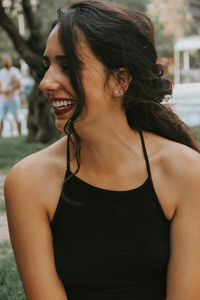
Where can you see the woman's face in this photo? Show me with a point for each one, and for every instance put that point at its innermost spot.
(57, 87)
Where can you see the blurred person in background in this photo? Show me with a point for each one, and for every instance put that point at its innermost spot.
(111, 211)
(10, 78)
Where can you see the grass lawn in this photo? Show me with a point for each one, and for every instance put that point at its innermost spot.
(10, 284)
(11, 151)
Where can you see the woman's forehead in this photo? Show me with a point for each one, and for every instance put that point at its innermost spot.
(53, 46)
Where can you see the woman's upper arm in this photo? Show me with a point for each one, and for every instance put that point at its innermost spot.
(183, 280)
(31, 235)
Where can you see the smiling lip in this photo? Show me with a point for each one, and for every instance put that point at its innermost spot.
(61, 109)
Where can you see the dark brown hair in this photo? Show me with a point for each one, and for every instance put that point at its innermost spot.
(121, 37)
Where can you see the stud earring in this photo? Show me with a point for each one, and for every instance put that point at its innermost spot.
(119, 92)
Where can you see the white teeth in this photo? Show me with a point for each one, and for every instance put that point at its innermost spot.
(61, 103)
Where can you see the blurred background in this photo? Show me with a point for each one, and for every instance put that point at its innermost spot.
(24, 27)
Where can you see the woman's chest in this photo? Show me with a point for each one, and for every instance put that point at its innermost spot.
(114, 234)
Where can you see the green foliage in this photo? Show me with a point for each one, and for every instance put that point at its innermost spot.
(10, 283)
(47, 13)
(2, 201)
(196, 132)
(47, 10)
(195, 59)
(164, 43)
(2, 205)
(14, 149)
(6, 46)
(135, 4)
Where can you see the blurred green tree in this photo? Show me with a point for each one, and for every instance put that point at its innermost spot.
(30, 47)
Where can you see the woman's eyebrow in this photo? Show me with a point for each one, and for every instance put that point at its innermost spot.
(45, 58)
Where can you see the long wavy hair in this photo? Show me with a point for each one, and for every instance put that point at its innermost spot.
(121, 37)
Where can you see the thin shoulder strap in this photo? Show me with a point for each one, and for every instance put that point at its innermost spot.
(145, 153)
(68, 154)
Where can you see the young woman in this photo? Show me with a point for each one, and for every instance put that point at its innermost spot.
(112, 210)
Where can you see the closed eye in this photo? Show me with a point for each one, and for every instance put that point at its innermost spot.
(61, 60)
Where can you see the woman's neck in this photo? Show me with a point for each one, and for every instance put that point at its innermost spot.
(108, 143)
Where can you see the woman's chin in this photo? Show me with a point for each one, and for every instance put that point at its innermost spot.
(60, 125)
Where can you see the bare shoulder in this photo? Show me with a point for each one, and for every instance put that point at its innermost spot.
(35, 174)
(175, 171)
(180, 196)
(179, 161)
(32, 190)
(174, 158)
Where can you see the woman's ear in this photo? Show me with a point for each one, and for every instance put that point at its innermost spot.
(120, 82)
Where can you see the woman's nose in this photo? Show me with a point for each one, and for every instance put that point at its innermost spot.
(49, 82)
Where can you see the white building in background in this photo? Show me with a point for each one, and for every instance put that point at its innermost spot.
(186, 45)
(187, 95)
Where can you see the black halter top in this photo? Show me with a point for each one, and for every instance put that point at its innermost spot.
(110, 245)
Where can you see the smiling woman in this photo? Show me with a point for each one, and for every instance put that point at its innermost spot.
(111, 210)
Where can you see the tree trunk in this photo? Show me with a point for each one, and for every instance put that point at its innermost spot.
(41, 120)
